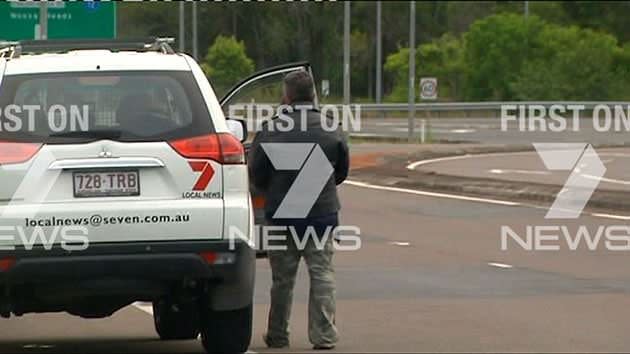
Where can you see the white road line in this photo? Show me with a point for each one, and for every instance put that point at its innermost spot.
(414, 165)
(430, 194)
(462, 131)
(616, 154)
(608, 180)
(501, 265)
(524, 172)
(610, 216)
(471, 199)
(399, 243)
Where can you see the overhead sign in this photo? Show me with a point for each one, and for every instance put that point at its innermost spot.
(66, 20)
(428, 88)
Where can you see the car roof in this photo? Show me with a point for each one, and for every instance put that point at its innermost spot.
(94, 60)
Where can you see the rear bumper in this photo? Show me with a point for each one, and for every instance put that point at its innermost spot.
(139, 270)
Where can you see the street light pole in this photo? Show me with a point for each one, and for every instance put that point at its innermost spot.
(379, 53)
(43, 20)
(412, 69)
(182, 35)
(346, 53)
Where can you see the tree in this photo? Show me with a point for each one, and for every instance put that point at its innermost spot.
(499, 44)
(441, 58)
(575, 64)
(495, 49)
(226, 62)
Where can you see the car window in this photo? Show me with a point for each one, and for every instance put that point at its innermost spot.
(135, 105)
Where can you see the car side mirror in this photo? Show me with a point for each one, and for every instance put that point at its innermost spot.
(238, 128)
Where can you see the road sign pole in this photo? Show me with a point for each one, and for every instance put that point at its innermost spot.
(346, 53)
(526, 9)
(412, 69)
(182, 29)
(379, 53)
(43, 20)
(194, 30)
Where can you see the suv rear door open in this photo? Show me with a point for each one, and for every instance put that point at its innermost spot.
(256, 98)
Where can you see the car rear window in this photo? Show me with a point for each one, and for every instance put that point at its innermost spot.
(124, 106)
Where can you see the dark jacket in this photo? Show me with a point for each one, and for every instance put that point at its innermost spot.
(274, 184)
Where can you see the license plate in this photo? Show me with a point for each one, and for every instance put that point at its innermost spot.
(106, 183)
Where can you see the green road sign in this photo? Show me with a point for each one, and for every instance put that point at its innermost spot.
(89, 19)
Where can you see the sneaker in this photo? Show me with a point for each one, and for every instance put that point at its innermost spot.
(274, 344)
(324, 346)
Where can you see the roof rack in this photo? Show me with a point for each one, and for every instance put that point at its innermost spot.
(15, 49)
(9, 49)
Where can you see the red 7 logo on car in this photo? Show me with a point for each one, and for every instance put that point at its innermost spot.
(206, 174)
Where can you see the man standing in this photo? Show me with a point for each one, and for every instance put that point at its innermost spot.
(301, 129)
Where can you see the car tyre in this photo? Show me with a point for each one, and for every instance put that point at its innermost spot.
(176, 321)
(227, 331)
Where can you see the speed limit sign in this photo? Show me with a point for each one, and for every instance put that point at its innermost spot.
(428, 88)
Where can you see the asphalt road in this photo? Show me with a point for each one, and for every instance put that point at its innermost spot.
(528, 167)
(486, 130)
(431, 276)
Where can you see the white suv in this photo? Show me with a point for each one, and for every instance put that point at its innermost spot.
(122, 181)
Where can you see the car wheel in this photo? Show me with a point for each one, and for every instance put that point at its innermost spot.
(176, 321)
(227, 331)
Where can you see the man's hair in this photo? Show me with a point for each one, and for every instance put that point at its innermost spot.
(298, 86)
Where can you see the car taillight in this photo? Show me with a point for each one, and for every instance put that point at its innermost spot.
(6, 263)
(259, 202)
(218, 258)
(14, 152)
(222, 147)
(232, 149)
(209, 256)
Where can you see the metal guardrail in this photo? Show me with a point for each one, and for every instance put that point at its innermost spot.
(490, 109)
(464, 110)
(464, 106)
(477, 106)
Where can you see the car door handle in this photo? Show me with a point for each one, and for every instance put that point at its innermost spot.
(73, 164)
